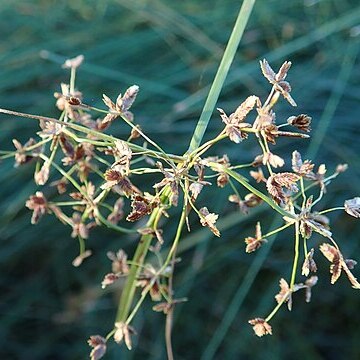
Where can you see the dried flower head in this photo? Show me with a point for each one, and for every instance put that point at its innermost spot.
(118, 213)
(309, 264)
(38, 204)
(119, 262)
(301, 122)
(22, 156)
(284, 294)
(98, 343)
(141, 206)
(276, 182)
(277, 79)
(299, 166)
(123, 332)
(260, 327)
(234, 124)
(254, 243)
(109, 279)
(337, 264)
(352, 207)
(42, 176)
(209, 219)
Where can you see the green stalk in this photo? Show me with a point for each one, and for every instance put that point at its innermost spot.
(221, 73)
(128, 293)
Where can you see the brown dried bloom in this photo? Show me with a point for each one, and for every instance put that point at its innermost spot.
(109, 279)
(123, 103)
(352, 207)
(123, 155)
(256, 242)
(118, 213)
(141, 206)
(309, 264)
(301, 122)
(38, 204)
(299, 166)
(276, 182)
(42, 176)
(149, 279)
(209, 219)
(78, 227)
(260, 327)
(251, 200)
(234, 124)
(119, 262)
(258, 175)
(98, 343)
(123, 332)
(114, 177)
(284, 294)
(21, 157)
(274, 160)
(337, 264)
(170, 178)
(277, 80)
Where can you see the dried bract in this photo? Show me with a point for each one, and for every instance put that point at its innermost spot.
(276, 182)
(352, 207)
(299, 166)
(260, 327)
(309, 264)
(301, 122)
(98, 343)
(284, 294)
(277, 80)
(254, 243)
(123, 332)
(209, 219)
(38, 204)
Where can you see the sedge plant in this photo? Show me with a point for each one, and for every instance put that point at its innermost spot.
(96, 180)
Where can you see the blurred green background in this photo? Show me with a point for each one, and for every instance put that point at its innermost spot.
(171, 49)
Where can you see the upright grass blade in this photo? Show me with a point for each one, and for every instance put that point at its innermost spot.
(221, 73)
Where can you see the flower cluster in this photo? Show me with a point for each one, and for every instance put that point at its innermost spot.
(96, 177)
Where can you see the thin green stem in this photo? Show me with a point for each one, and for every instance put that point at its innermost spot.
(296, 257)
(276, 308)
(277, 230)
(110, 225)
(332, 209)
(221, 74)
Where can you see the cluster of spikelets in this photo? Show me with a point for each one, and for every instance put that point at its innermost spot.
(97, 175)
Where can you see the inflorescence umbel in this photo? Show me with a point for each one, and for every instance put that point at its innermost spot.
(95, 175)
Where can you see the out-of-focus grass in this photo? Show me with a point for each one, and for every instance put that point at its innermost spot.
(172, 50)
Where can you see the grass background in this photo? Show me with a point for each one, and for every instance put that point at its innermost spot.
(172, 49)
